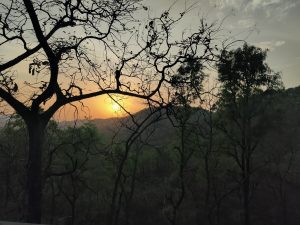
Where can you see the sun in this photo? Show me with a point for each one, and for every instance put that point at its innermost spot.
(115, 107)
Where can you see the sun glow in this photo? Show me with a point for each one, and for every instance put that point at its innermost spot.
(115, 107)
(102, 107)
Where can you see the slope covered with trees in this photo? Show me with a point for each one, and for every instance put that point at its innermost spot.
(171, 174)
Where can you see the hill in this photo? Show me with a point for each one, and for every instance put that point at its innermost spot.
(284, 108)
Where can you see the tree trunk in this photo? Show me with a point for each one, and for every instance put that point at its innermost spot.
(246, 201)
(246, 189)
(36, 129)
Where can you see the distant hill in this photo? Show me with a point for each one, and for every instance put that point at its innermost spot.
(283, 113)
(125, 126)
(161, 133)
(285, 107)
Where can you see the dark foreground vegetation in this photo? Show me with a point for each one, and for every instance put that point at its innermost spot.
(160, 174)
(222, 155)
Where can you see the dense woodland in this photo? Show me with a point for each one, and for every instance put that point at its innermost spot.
(181, 164)
(217, 144)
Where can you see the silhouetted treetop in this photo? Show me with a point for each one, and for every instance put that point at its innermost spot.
(245, 71)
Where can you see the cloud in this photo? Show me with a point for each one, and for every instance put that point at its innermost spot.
(246, 23)
(271, 45)
(277, 9)
(279, 43)
(263, 3)
(226, 3)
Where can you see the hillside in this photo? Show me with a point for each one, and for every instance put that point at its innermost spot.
(162, 164)
(284, 104)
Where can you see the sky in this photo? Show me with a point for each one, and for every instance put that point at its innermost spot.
(272, 24)
(269, 24)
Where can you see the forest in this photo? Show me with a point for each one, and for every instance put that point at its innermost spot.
(232, 159)
(215, 142)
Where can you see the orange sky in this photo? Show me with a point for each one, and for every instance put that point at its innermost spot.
(99, 107)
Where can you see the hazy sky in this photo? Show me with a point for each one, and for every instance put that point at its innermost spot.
(272, 24)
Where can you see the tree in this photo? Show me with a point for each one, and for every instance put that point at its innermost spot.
(205, 140)
(140, 129)
(245, 78)
(76, 50)
(67, 167)
(180, 118)
(12, 163)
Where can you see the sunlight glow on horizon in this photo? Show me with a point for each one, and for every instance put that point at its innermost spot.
(101, 107)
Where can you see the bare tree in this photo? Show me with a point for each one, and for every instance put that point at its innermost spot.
(140, 128)
(67, 165)
(76, 50)
(205, 141)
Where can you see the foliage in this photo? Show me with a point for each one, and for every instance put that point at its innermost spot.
(87, 187)
(187, 82)
(243, 73)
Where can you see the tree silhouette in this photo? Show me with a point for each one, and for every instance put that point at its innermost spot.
(244, 77)
(75, 50)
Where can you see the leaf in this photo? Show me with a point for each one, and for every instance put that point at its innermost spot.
(15, 88)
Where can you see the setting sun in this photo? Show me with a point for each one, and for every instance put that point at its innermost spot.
(115, 107)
